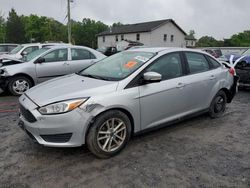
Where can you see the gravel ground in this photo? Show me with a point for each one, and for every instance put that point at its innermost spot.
(200, 152)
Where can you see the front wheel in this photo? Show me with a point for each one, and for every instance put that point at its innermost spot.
(218, 105)
(18, 85)
(109, 134)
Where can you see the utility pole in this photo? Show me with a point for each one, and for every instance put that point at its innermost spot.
(69, 22)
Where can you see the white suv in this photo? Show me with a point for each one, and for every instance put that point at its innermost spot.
(24, 49)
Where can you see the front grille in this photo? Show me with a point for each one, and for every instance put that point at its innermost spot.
(27, 114)
(57, 138)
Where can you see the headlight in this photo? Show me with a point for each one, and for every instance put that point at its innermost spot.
(61, 107)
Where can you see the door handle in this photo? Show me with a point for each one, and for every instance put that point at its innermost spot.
(212, 77)
(180, 85)
(65, 63)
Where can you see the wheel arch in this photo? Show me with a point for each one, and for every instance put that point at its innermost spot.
(110, 109)
(25, 75)
(228, 94)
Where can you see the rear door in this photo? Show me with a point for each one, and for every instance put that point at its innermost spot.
(163, 101)
(56, 64)
(80, 59)
(200, 81)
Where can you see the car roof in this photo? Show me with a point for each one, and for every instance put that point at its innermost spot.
(4, 44)
(29, 44)
(150, 49)
(164, 49)
(65, 46)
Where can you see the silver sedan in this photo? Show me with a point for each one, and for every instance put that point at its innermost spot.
(18, 75)
(125, 94)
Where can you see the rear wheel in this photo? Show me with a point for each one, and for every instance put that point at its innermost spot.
(109, 134)
(218, 105)
(18, 85)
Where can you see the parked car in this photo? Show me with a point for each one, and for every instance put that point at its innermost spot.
(17, 76)
(124, 94)
(6, 48)
(25, 49)
(242, 68)
(108, 51)
(214, 52)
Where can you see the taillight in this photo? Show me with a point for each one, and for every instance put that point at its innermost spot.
(232, 71)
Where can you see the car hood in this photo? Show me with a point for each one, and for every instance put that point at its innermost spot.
(7, 56)
(6, 61)
(69, 87)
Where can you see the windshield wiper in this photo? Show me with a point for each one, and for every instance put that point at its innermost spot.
(95, 77)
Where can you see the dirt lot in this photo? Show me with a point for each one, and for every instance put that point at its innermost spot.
(200, 152)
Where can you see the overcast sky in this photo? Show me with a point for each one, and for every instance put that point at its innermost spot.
(217, 18)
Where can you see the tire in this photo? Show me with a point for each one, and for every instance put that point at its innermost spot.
(218, 105)
(18, 85)
(103, 140)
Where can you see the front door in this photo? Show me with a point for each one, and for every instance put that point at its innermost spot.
(166, 100)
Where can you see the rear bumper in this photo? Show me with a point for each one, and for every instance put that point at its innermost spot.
(244, 84)
(233, 90)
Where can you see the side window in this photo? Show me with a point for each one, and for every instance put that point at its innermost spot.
(81, 54)
(56, 55)
(169, 66)
(213, 62)
(196, 62)
(30, 49)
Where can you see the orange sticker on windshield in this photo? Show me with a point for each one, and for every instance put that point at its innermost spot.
(130, 64)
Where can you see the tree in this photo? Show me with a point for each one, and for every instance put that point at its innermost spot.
(117, 24)
(241, 39)
(191, 34)
(207, 41)
(14, 28)
(84, 33)
(2, 29)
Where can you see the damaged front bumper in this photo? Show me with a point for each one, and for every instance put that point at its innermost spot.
(60, 130)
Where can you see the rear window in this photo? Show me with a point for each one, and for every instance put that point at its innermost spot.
(81, 54)
(214, 63)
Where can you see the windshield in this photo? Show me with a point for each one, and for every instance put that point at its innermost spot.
(118, 66)
(247, 52)
(17, 49)
(34, 54)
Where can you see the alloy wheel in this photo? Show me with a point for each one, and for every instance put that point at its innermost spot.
(111, 135)
(20, 86)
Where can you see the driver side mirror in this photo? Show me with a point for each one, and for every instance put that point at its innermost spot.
(40, 60)
(24, 53)
(152, 77)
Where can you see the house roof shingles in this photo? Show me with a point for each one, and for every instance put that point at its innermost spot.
(138, 27)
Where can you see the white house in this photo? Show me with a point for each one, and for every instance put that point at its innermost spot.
(190, 41)
(161, 33)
